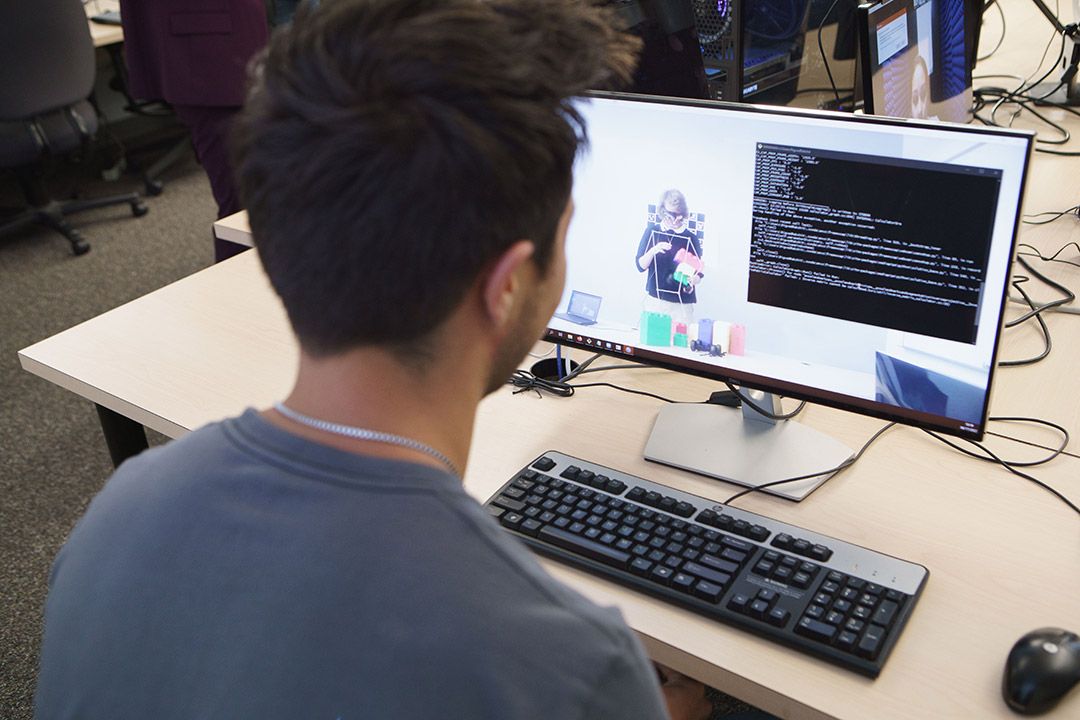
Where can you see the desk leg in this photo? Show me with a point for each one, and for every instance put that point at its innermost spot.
(124, 436)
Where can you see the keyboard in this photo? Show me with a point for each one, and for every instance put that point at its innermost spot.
(838, 601)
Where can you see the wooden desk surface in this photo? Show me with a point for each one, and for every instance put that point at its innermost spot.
(103, 34)
(1003, 554)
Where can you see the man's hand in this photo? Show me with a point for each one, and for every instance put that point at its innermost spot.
(684, 696)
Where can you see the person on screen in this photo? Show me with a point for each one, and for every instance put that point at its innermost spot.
(321, 558)
(670, 254)
(920, 89)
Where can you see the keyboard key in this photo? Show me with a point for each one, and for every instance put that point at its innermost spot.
(593, 550)
(641, 566)
(544, 464)
(717, 578)
(870, 643)
(885, 613)
(739, 602)
(683, 582)
(708, 591)
(815, 629)
(778, 617)
(661, 574)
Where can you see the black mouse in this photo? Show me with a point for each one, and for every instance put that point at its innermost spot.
(1042, 667)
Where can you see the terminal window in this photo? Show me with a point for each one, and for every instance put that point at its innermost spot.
(891, 242)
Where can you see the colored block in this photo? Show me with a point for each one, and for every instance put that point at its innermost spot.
(655, 329)
(679, 340)
(721, 335)
(680, 328)
(705, 332)
(738, 339)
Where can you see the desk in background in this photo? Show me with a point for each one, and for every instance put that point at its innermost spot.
(103, 35)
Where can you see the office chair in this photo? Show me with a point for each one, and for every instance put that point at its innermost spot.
(178, 144)
(46, 76)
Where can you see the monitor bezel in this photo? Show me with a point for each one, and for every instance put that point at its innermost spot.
(848, 403)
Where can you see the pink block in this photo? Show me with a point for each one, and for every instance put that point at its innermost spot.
(680, 328)
(738, 339)
(690, 259)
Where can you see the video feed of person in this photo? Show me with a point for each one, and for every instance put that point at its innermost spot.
(917, 60)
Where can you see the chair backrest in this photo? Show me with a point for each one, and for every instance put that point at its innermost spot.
(46, 56)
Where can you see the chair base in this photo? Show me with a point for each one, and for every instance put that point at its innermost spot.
(53, 213)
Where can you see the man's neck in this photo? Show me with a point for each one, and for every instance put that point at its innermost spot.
(369, 389)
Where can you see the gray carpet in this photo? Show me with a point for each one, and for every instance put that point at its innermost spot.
(52, 455)
(53, 458)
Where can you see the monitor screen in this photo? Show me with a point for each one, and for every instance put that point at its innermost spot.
(853, 261)
(915, 59)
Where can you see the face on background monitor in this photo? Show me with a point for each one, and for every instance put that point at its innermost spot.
(855, 262)
(915, 59)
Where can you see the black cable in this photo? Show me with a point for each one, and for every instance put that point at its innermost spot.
(1011, 467)
(1074, 210)
(1018, 284)
(524, 381)
(760, 410)
(1036, 310)
(842, 466)
(1054, 257)
(825, 60)
(1054, 452)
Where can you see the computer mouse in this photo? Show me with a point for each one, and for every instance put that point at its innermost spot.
(1043, 666)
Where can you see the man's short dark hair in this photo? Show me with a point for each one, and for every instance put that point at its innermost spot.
(391, 149)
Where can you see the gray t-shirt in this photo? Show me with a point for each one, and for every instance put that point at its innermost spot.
(244, 572)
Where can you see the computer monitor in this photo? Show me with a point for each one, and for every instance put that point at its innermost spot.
(852, 261)
(768, 51)
(915, 59)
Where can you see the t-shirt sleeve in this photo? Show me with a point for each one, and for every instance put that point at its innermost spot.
(628, 689)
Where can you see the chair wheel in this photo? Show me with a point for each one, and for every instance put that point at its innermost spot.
(154, 187)
(79, 246)
(138, 208)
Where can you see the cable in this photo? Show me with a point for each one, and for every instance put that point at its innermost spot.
(1069, 296)
(760, 410)
(1074, 210)
(842, 466)
(1054, 452)
(1000, 39)
(1011, 467)
(825, 60)
(1017, 283)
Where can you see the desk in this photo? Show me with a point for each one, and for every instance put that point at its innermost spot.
(980, 530)
(234, 228)
(103, 35)
(984, 534)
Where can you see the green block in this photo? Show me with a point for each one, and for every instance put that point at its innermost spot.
(655, 329)
(679, 340)
(681, 278)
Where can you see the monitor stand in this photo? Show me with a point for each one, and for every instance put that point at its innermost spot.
(744, 447)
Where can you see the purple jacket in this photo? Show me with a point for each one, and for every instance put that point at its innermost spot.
(192, 52)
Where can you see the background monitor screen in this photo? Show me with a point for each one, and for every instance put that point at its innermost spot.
(854, 261)
(915, 60)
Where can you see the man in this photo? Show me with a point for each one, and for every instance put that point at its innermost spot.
(407, 169)
(194, 56)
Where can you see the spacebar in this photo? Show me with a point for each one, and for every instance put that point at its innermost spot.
(581, 546)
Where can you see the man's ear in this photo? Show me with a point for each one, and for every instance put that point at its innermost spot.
(504, 282)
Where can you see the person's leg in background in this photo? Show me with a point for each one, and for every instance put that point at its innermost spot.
(209, 127)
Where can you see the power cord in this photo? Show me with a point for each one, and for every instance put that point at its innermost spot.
(842, 466)
(990, 456)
